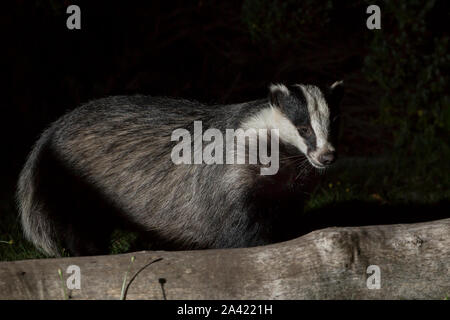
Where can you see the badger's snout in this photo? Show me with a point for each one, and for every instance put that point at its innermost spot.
(323, 157)
(327, 158)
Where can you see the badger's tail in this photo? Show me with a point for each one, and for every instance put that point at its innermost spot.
(36, 223)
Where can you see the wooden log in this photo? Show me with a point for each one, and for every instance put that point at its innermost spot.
(414, 262)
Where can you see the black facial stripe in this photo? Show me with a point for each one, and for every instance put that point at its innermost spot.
(300, 114)
(302, 117)
(310, 141)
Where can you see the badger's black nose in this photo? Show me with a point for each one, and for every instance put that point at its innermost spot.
(327, 158)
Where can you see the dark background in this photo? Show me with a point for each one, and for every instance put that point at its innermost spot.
(396, 119)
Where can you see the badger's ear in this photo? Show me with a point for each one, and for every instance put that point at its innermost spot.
(336, 92)
(277, 95)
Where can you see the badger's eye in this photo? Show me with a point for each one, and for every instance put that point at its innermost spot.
(304, 130)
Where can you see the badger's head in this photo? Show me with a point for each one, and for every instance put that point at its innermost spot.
(306, 118)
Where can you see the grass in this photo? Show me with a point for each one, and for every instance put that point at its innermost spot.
(63, 285)
(377, 181)
(124, 282)
(13, 245)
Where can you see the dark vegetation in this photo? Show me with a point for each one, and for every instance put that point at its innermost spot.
(394, 151)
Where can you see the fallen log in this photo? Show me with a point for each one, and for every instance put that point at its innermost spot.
(332, 263)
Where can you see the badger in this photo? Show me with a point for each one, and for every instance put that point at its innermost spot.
(107, 165)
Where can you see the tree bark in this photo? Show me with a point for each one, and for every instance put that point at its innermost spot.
(414, 262)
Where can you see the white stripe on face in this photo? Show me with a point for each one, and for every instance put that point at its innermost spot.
(273, 118)
(318, 114)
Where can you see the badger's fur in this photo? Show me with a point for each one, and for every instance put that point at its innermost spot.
(107, 164)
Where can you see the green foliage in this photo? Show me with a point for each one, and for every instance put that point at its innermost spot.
(276, 22)
(122, 241)
(410, 63)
